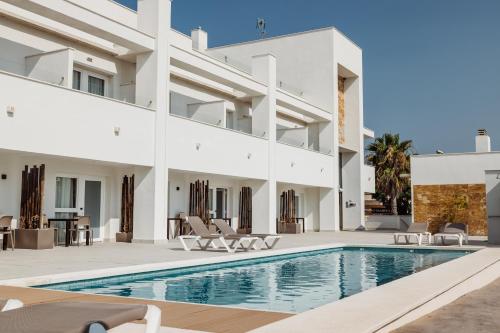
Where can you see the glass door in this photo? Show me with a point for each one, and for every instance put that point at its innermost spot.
(221, 203)
(92, 205)
(78, 196)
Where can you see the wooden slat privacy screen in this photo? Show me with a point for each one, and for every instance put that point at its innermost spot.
(288, 212)
(32, 195)
(127, 205)
(198, 200)
(245, 208)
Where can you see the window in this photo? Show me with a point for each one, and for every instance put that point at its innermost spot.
(96, 86)
(91, 82)
(77, 80)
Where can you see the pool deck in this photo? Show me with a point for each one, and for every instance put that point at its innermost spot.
(476, 312)
(174, 315)
(383, 308)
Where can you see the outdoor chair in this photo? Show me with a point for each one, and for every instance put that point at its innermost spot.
(84, 317)
(269, 240)
(201, 233)
(6, 229)
(458, 231)
(82, 225)
(417, 230)
(10, 304)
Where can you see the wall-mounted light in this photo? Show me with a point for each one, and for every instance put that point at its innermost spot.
(292, 164)
(249, 155)
(198, 145)
(350, 204)
(11, 110)
(116, 130)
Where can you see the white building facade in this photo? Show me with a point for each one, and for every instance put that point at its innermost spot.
(96, 91)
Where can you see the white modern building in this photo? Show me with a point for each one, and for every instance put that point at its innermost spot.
(96, 91)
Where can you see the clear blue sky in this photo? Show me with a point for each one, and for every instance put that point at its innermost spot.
(431, 67)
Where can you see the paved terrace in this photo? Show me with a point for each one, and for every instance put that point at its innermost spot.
(475, 312)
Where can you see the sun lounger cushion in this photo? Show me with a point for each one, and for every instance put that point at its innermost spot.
(66, 317)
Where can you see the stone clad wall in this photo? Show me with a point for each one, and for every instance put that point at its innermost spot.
(439, 204)
(341, 87)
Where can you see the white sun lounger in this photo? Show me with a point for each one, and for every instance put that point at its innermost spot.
(269, 240)
(417, 230)
(10, 304)
(201, 233)
(459, 231)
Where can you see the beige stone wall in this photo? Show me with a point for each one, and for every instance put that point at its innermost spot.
(341, 85)
(439, 204)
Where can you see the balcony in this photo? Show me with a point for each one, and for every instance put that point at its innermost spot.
(50, 119)
(302, 166)
(201, 147)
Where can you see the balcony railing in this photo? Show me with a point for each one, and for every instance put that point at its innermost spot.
(55, 68)
(230, 61)
(290, 88)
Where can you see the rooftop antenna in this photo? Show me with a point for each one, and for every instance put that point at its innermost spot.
(261, 26)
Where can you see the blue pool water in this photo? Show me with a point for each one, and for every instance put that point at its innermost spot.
(290, 283)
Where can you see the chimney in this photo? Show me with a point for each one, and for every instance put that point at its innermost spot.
(199, 39)
(483, 142)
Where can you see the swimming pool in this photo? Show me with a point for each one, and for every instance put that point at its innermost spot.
(286, 283)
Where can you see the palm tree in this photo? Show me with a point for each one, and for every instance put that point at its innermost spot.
(391, 159)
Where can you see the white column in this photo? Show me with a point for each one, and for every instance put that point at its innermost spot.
(199, 38)
(329, 213)
(152, 90)
(264, 125)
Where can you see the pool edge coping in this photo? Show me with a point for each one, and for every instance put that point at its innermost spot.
(48, 279)
(378, 298)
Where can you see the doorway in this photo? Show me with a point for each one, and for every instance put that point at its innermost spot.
(80, 196)
(217, 202)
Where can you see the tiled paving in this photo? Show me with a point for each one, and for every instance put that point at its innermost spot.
(476, 312)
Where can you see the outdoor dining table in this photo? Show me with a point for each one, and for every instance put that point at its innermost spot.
(69, 221)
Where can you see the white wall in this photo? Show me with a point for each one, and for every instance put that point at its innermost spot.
(301, 166)
(467, 168)
(53, 67)
(304, 60)
(200, 147)
(58, 121)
